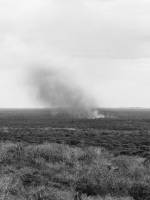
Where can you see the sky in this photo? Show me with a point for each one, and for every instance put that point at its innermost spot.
(101, 46)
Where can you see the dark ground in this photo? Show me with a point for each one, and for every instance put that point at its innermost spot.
(123, 131)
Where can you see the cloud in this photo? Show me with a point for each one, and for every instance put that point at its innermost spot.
(116, 29)
(104, 44)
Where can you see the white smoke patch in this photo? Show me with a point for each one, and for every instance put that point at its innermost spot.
(58, 90)
(95, 114)
(101, 114)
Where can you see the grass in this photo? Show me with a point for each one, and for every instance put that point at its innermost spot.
(53, 171)
(120, 142)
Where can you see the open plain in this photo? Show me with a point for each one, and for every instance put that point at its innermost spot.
(57, 157)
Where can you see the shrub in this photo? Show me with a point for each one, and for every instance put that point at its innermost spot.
(49, 152)
(11, 153)
(140, 191)
(55, 171)
(45, 193)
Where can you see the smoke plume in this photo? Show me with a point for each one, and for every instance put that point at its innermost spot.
(56, 89)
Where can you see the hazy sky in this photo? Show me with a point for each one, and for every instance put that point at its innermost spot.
(103, 45)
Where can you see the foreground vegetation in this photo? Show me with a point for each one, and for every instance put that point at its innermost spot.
(120, 142)
(53, 171)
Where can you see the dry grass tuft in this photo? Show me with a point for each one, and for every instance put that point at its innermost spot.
(58, 172)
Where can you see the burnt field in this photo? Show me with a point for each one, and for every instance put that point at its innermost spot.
(126, 133)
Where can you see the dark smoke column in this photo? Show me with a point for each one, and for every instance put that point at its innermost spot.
(55, 89)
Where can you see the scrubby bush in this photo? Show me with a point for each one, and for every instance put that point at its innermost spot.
(140, 191)
(84, 197)
(58, 172)
(11, 153)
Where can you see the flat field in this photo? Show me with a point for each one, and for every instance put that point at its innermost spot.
(127, 132)
(59, 157)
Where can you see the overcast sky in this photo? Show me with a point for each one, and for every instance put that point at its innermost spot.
(104, 45)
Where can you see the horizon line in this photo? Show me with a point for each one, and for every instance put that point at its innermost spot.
(50, 108)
